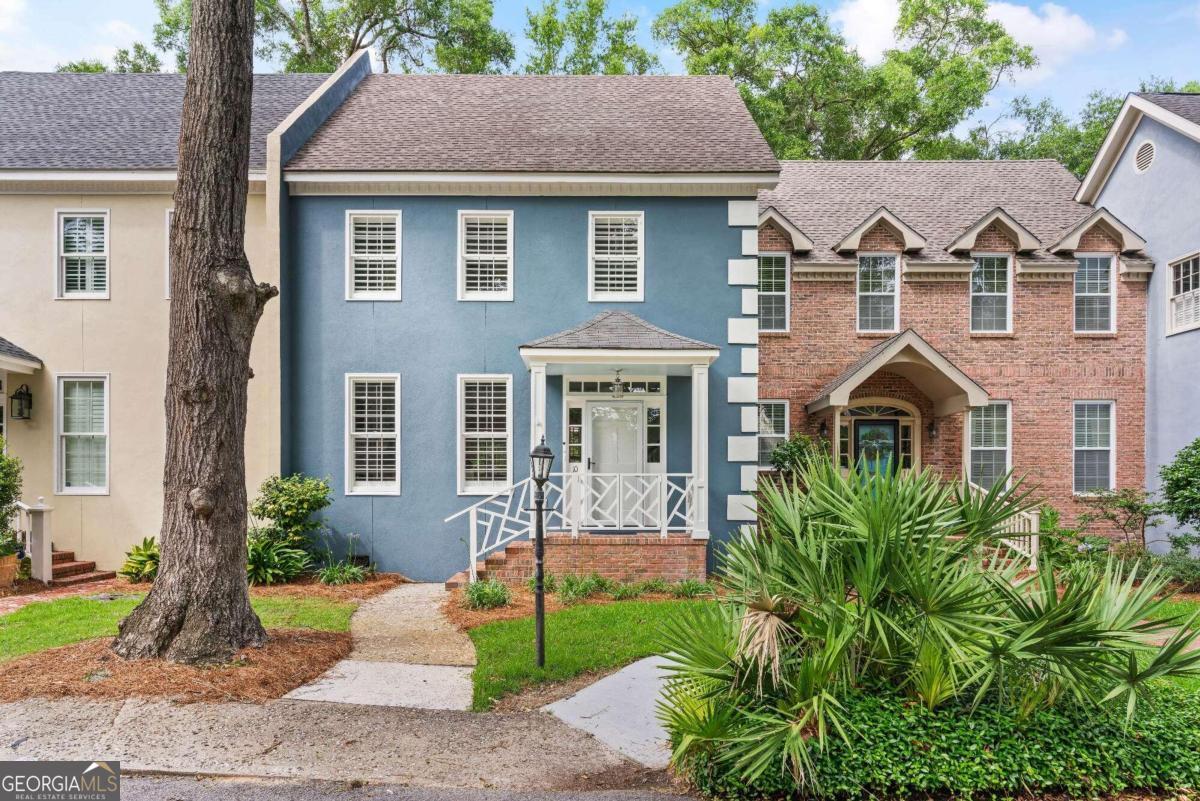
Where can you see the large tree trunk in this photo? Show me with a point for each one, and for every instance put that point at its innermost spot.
(199, 608)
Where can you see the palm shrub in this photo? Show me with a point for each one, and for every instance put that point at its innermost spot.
(875, 583)
(141, 561)
(273, 561)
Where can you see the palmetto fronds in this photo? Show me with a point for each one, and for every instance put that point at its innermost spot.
(860, 580)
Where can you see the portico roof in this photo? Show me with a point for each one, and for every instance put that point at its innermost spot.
(907, 354)
(17, 359)
(618, 337)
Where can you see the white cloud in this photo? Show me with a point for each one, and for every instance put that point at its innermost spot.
(11, 12)
(869, 26)
(1055, 33)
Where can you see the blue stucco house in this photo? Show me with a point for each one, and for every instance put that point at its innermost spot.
(1148, 173)
(472, 263)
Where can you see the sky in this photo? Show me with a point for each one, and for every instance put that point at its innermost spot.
(1082, 44)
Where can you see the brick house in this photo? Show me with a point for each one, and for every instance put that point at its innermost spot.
(963, 316)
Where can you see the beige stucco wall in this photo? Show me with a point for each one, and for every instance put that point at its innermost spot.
(126, 337)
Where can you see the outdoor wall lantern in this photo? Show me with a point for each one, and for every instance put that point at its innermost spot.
(540, 461)
(20, 404)
(932, 429)
(824, 429)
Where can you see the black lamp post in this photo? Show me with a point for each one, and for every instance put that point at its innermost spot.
(540, 460)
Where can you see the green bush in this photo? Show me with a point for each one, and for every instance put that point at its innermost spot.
(690, 588)
(573, 589)
(549, 583)
(899, 749)
(141, 561)
(342, 572)
(627, 592)
(271, 561)
(656, 586)
(1181, 485)
(790, 456)
(289, 503)
(10, 485)
(488, 594)
(9, 544)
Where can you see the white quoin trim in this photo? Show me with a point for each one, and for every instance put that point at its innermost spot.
(700, 449)
(743, 331)
(743, 272)
(743, 213)
(750, 420)
(742, 508)
(743, 389)
(750, 242)
(749, 476)
(749, 301)
(743, 449)
(750, 361)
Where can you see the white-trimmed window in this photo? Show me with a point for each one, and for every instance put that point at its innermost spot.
(1183, 313)
(772, 429)
(82, 433)
(773, 302)
(485, 255)
(878, 290)
(372, 434)
(373, 255)
(616, 255)
(991, 294)
(81, 244)
(990, 443)
(1095, 309)
(484, 433)
(1095, 436)
(167, 254)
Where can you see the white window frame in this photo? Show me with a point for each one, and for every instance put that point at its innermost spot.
(463, 294)
(60, 282)
(858, 293)
(461, 435)
(1170, 328)
(1114, 267)
(787, 293)
(616, 297)
(1112, 445)
(968, 448)
(1008, 294)
(60, 487)
(351, 294)
(787, 423)
(167, 254)
(348, 438)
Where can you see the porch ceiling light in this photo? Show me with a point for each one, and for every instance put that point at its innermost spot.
(540, 460)
(618, 386)
(21, 404)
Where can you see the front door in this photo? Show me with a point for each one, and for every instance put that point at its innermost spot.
(613, 449)
(875, 444)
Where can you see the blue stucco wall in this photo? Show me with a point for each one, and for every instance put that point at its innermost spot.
(429, 337)
(1163, 205)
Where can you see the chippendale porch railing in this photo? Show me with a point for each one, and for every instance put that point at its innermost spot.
(1020, 531)
(662, 502)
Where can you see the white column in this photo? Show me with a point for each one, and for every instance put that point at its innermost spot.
(537, 405)
(837, 436)
(41, 560)
(700, 449)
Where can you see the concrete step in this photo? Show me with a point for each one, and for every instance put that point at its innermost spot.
(83, 578)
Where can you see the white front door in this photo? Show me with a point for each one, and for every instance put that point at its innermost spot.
(613, 447)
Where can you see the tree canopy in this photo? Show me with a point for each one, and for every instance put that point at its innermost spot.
(583, 40)
(137, 58)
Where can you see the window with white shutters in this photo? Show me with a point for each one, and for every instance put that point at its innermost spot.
(373, 438)
(989, 433)
(991, 301)
(615, 256)
(772, 429)
(82, 422)
(1185, 295)
(484, 433)
(878, 293)
(1094, 438)
(373, 255)
(1094, 294)
(83, 255)
(485, 255)
(773, 292)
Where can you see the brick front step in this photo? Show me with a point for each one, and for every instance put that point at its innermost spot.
(62, 556)
(69, 571)
(83, 578)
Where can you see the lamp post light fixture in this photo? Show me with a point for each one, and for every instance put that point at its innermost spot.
(21, 404)
(540, 460)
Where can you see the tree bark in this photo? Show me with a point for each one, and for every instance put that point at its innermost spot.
(198, 610)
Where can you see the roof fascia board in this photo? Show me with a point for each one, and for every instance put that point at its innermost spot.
(1026, 240)
(800, 240)
(14, 364)
(697, 356)
(378, 177)
(912, 239)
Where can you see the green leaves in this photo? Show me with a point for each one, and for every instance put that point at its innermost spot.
(583, 40)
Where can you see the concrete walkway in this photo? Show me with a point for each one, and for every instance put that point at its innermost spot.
(620, 711)
(405, 653)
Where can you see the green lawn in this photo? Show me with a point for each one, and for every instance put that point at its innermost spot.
(579, 639)
(48, 624)
(1177, 609)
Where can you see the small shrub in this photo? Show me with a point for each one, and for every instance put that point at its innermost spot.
(141, 561)
(1130, 510)
(690, 588)
(572, 588)
(794, 452)
(488, 594)
(1181, 485)
(342, 572)
(270, 561)
(627, 592)
(549, 583)
(656, 586)
(289, 503)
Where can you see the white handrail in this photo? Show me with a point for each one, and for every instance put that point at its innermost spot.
(1022, 529)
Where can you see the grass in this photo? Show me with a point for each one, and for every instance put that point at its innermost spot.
(1178, 608)
(49, 624)
(578, 640)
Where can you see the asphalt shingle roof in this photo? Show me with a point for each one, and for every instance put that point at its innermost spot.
(9, 349)
(537, 123)
(618, 330)
(941, 199)
(1186, 105)
(106, 121)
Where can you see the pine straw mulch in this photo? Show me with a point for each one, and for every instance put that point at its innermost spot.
(89, 669)
(310, 587)
(521, 605)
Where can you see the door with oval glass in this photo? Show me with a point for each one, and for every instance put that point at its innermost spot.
(612, 453)
(875, 443)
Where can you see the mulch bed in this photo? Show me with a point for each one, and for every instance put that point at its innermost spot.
(520, 606)
(90, 669)
(309, 587)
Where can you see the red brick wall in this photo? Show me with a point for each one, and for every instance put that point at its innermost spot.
(1042, 367)
(616, 557)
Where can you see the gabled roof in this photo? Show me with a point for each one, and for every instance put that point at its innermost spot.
(1177, 110)
(114, 121)
(800, 240)
(617, 330)
(17, 358)
(910, 356)
(605, 124)
(1069, 241)
(1025, 240)
(907, 234)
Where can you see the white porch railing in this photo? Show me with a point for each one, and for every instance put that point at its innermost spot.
(32, 525)
(575, 502)
(1021, 531)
